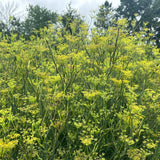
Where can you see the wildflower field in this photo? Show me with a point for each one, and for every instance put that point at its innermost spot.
(80, 97)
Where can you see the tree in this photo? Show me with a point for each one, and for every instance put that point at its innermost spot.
(2, 26)
(16, 25)
(69, 17)
(8, 14)
(104, 16)
(38, 17)
(147, 10)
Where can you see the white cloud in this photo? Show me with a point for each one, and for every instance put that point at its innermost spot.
(84, 7)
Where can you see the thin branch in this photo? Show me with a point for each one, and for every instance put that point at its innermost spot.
(116, 46)
(48, 45)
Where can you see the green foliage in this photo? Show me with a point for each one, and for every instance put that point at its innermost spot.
(147, 11)
(105, 16)
(71, 21)
(9, 21)
(73, 97)
(139, 13)
(38, 17)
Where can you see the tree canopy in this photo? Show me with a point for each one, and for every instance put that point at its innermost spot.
(8, 17)
(105, 16)
(139, 11)
(69, 17)
(38, 17)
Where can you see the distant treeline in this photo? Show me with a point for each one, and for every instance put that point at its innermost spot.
(139, 13)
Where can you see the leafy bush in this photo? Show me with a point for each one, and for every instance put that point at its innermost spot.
(74, 97)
